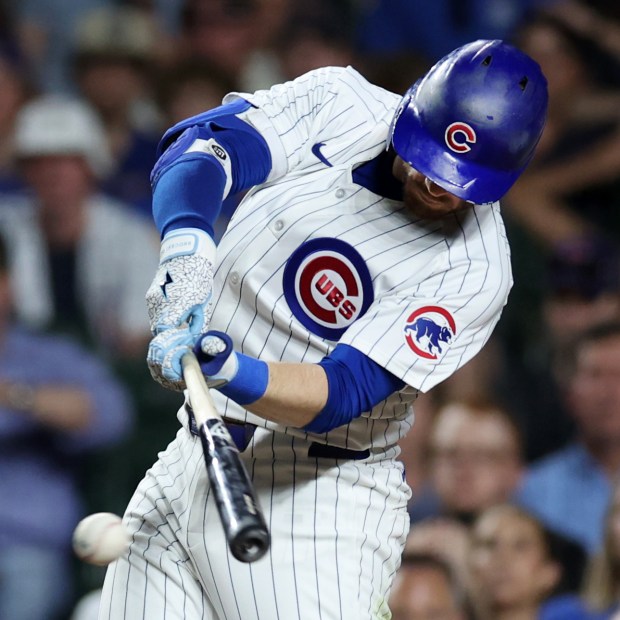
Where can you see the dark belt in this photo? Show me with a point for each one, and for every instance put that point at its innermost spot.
(242, 434)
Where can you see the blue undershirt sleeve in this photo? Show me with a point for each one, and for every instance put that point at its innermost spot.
(181, 198)
(355, 384)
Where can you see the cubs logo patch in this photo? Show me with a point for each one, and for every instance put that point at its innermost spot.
(427, 329)
(327, 286)
(459, 136)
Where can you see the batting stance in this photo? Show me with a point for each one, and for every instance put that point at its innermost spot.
(367, 262)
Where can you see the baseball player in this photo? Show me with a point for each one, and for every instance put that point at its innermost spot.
(367, 262)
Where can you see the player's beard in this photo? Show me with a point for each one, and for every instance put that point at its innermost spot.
(422, 197)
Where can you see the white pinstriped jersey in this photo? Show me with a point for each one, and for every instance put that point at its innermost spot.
(311, 258)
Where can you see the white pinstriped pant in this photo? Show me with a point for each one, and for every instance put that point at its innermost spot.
(337, 530)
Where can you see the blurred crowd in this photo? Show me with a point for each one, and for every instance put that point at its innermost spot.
(514, 462)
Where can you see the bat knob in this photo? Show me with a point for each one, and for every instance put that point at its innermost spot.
(250, 544)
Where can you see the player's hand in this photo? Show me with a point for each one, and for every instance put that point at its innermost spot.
(179, 297)
(240, 377)
(164, 357)
(218, 361)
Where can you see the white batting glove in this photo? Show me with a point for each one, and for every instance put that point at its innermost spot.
(179, 299)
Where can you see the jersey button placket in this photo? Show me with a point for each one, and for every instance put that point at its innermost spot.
(340, 193)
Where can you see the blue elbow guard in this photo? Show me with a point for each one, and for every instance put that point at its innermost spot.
(355, 384)
(206, 158)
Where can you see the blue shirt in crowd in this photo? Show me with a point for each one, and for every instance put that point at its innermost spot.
(38, 466)
(570, 493)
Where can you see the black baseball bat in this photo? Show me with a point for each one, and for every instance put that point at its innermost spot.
(243, 521)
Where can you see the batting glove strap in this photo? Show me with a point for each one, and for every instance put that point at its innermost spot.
(240, 377)
(187, 242)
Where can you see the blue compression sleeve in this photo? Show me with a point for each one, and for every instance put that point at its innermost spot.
(355, 384)
(189, 183)
(181, 198)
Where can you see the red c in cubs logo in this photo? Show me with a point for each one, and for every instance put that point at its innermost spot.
(459, 136)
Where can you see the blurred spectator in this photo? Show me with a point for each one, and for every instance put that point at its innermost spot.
(475, 461)
(45, 32)
(524, 365)
(581, 284)
(15, 90)
(597, 20)
(514, 568)
(316, 38)
(601, 591)
(114, 59)
(600, 596)
(572, 187)
(570, 489)
(236, 36)
(602, 585)
(58, 404)
(445, 538)
(82, 261)
(391, 27)
(396, 73)
(584, 290)
(426, 588)
(190, 88)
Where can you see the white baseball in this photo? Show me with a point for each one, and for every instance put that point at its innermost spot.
(100, 538)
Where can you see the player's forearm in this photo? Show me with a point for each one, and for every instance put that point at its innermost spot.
(315, 397)
(295, 394)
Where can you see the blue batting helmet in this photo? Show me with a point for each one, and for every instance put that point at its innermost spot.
(471, 124)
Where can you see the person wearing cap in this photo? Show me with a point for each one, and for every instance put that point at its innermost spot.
(82, 260)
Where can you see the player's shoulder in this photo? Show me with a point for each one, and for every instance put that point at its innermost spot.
(351, 81)
(351, 74)
(329, 83)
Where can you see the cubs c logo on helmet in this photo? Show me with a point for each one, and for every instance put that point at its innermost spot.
(327, 286)
(458, 135)
(427, 329)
